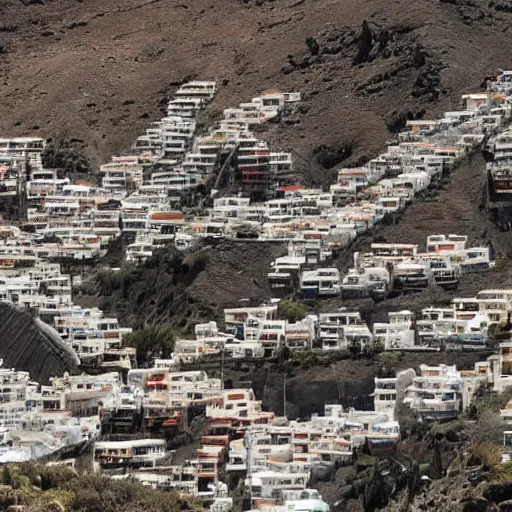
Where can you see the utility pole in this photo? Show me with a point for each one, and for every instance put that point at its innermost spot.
(23, 194)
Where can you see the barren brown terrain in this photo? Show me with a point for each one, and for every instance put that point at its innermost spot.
(98, 73)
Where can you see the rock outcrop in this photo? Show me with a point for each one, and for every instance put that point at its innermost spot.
(30, 345)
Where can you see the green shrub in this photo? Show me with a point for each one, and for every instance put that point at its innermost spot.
(499, 262)
(291, 311)
(389, 360)
(109, 281)
(63, 490)
(493, 403)
(207, 118)
(337, 355)
(100, 494)
(55, 477)
(306, 359)
(20, 481)
(487, 454)
(156, 341)
(60, 154)
(502, 472)
(6, 475)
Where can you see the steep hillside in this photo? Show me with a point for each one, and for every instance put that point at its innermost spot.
(458, 208)
(220, 274)
(184, 288)
(29, 345)
(98, 72)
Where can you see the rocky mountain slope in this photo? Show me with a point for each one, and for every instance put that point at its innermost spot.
(97, 73)
(184, 288)
(27, 344)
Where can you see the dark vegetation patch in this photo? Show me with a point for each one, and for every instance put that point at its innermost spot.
(68, 156)
(38, 488)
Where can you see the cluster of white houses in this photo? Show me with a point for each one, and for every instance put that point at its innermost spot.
(141, 194)
(141, 197)
(258, 332)
(39, 421)
(278, 460)
(29, 279)
(386, 267)
(317, 222)
(499, 170)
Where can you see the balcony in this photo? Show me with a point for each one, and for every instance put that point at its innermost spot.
(236, 466)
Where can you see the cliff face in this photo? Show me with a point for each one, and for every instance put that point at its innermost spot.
(310, 386)
(466, 490)
(29, 345)
(99, 72)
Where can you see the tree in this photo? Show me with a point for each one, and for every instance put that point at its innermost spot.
(100, 494)
(63, 490)
(389, 361)
(156, 341)
(61, 154)
(291, 311)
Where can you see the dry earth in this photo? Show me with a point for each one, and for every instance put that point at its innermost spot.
(98, 72)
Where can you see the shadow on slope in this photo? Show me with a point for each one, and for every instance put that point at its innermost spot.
(29, 345)
(183, 288)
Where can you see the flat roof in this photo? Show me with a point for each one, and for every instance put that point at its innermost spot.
(129, 444)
